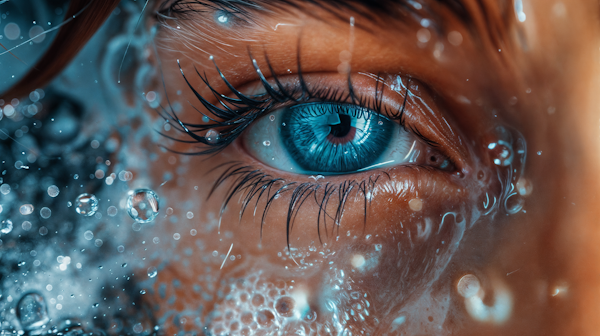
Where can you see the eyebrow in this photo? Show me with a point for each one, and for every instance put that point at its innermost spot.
(484, 19)
(365, 7)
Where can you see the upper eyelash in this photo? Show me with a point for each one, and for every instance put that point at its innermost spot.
(240, 112)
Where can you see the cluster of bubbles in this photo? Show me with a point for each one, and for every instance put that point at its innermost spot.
(254, 306)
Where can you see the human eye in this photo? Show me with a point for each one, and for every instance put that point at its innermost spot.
(325, 137)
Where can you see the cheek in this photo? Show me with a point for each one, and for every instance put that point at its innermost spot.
(340, 268)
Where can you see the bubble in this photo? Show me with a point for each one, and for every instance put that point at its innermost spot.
(112, 211)
(423, 35)
(212, 136)
(514, 203)
(53, 191)
(455, 38)
(258, 300)
(265, 318)
(266, 143)
(32, 312)
(45, 213)
(468, 286)
(5, 189)
(26, 225)
(12, 31)
(88, 235)
(6, 226)
(285, 306)
(272, 117)
(35, 31)
(26, 209)
(378, 247)
(86, 204)
(142, 205)
(152, 272)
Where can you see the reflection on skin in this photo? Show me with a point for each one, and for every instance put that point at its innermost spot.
(499, 242)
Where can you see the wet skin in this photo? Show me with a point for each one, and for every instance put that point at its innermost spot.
(425, 227)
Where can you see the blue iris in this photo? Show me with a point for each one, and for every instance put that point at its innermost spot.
(335, 138)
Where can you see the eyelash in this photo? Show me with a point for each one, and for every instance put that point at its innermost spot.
(251, 183)
(240, 112)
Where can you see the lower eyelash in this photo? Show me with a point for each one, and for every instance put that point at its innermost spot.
(253, 185)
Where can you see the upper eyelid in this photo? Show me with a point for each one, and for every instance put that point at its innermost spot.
(371, 102)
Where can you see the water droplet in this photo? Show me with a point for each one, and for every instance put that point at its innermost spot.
(86, 204)
(212, 136)
(501, 152)
(53, 191)
(112, 211)
(26, 209)
(32, 312)
(265, 318)
(266, 143)
(285, 306)
(272, 117)
(6, 226)
(378, 247)
(88, 235)
(45, 213)
(152, 272)
(5, 189)
(142, 205)
(468, 286)
(143, 291)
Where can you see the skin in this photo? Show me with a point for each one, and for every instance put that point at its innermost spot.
(544, 88)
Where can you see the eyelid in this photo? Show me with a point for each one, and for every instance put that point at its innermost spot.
(420, 114)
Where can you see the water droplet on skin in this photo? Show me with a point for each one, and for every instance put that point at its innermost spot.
(272, 117)
(212, 136)
(378, 247)
(86, 205)
(152, 272)
(468, 286)
(501, 153)
(32, 312)
(142, 205)
(415, 204)
(6, 226)
(265, 318)
(266, 143)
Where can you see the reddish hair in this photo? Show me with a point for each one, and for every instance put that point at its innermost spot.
(68, 42)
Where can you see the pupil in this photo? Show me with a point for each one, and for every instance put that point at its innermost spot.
(343, 128)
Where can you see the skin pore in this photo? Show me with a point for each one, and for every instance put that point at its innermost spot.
(401, 257)
(323, 167)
